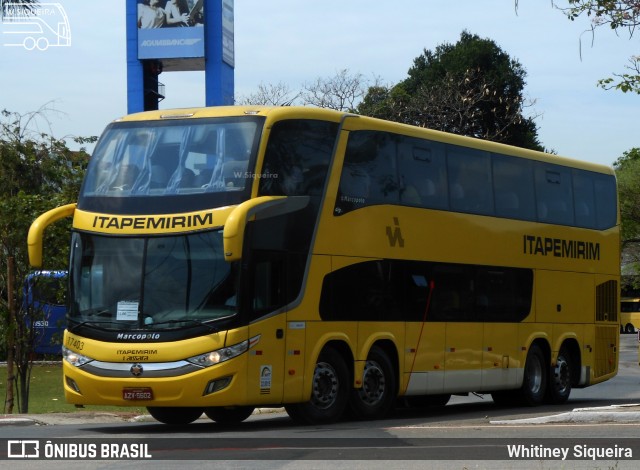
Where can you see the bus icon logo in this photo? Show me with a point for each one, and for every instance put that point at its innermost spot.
(35, 26)
(23, 449)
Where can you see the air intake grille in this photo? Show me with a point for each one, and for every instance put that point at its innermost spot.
(607, 301)
(606, 350)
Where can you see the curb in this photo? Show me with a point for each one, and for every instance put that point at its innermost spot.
(603, 414)
(97, 418)
(596, 415)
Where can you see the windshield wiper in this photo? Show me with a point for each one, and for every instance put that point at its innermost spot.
(211, 328)
(97, 312)
(73, 328)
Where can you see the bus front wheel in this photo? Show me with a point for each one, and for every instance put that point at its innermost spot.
(229, 415)
(534, 384)
(329, 393)
(176, 416)
(378, 392)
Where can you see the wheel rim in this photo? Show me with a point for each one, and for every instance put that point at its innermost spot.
(373, 384)
(562, 377)
(325, 386)
(534, 375)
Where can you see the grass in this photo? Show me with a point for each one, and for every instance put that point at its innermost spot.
(46, 394)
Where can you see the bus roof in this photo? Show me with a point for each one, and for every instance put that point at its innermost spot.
(273, 113)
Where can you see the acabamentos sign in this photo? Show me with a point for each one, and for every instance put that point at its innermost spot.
(166, 43)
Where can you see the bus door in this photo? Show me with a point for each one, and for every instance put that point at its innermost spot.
(500, 356)
(454, 303)
(424, 337)
(503, 297)
(265, 378)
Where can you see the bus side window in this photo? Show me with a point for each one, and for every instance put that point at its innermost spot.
(470, 181)
(513, 187)
(423, 173)
(369, 174)
(296, 161)
(355, 182)
(605, 201)
(554, 194)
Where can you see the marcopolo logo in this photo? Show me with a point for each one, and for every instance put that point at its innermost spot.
(34, 25)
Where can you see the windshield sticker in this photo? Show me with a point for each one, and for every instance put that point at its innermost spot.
(127, 311)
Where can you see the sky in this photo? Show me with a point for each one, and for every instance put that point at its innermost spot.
(296, 41)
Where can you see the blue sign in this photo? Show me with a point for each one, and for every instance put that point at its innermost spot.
(170, 43)
(170, 29)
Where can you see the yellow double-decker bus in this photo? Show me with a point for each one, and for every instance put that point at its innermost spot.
(229, 258)
(629, 314)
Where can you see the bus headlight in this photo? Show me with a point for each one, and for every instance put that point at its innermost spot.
(224, 354)
(74, 358)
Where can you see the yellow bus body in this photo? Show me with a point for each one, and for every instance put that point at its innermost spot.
(570, 307)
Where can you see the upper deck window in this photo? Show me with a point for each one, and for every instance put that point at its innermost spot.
(140, 161)
(436, 175)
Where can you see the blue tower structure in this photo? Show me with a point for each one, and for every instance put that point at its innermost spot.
(174, 36)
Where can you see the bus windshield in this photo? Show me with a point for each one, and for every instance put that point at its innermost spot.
(151, 161)
(151, 283)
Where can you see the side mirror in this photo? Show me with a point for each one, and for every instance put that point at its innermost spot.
(36, 231)
(261, 207)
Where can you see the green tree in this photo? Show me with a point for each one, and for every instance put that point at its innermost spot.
(37, 172)
(628, 174)
(471, 88)
(617, 15)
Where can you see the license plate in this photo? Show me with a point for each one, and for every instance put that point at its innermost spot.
(137, 394)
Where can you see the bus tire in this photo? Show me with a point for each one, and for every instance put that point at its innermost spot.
(229, 414)
(175, 415)
(329, 392)
(379, 388)
(629, 328)
(534, 383)
(559, 387)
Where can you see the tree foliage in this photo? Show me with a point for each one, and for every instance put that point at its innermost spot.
(37, 172)
(628, 175)
(616, 15)
(279, 94)
(471, 88)
(342, 92)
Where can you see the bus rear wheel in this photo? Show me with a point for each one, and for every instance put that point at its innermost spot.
(378, 392)
(629, 328)
(229, 414)
(534, 384)
(175, 416)
(329, 393)
(559, 387)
